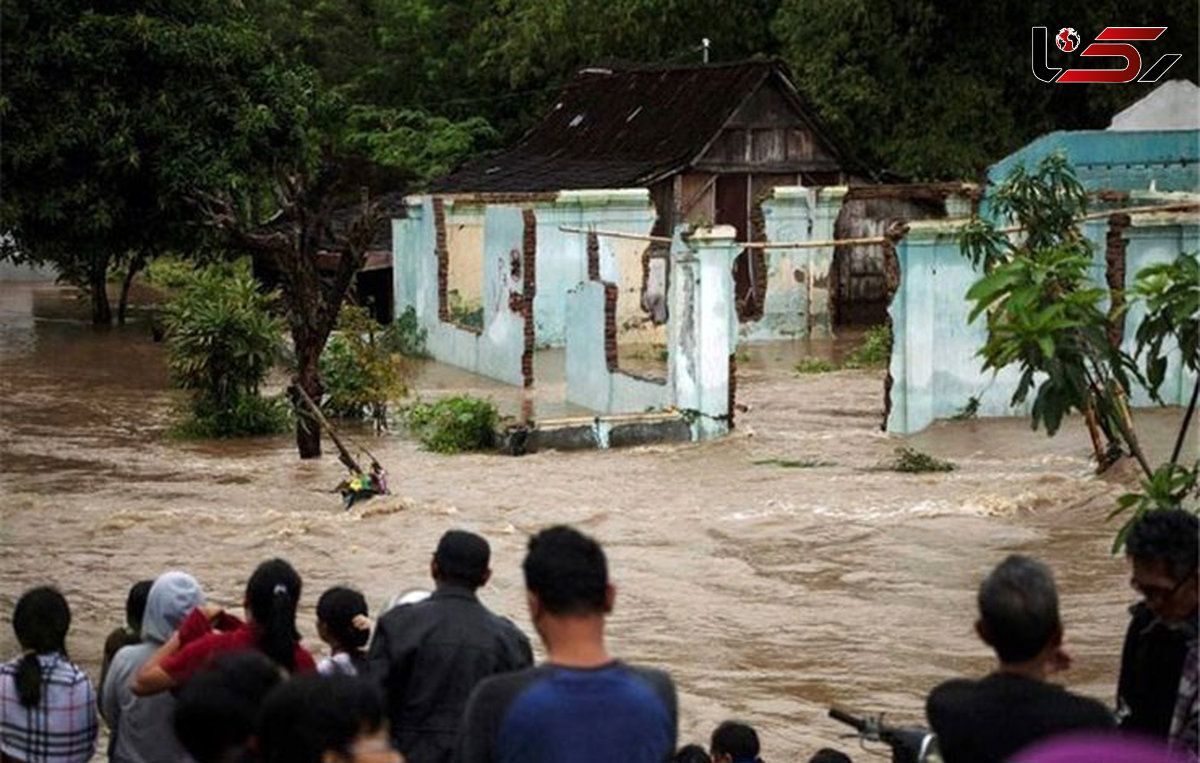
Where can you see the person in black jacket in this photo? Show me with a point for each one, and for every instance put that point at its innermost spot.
(989, 720)
(1152, 699)
(428, 657)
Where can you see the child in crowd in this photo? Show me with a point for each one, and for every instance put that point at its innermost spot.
(322, 719)
(691, 753)
(734, 742)
(217, 710)
(270, 603)
(829, 755)
(343, 624)
(130, 633)
(47, 704)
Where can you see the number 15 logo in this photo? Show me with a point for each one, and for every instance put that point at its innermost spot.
(1112, 42)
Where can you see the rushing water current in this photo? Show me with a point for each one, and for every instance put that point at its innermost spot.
(768, 589)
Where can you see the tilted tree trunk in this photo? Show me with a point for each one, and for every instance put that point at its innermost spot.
(135, 266)
(308, 377)
(98, 288)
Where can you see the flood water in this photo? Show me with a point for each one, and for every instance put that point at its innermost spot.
(768, 592)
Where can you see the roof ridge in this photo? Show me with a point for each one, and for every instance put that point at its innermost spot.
(624, 67)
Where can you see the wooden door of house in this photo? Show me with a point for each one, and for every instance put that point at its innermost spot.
(733, 201)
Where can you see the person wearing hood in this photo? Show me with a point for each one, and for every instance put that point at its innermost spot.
(142, 726)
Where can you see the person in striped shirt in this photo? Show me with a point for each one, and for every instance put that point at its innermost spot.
(47, 704)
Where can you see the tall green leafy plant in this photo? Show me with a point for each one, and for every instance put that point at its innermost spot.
(359, 372)
(222, 340)
(1045, 316)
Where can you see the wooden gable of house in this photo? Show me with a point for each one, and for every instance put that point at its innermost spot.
(771, 132)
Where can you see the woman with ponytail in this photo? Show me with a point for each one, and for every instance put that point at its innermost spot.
(47, 704)
(343, 624)
(270, 627)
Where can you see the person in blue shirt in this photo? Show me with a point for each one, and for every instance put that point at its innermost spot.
(581, 705)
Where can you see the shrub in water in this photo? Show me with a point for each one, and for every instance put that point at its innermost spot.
(244, 416)
(875, 350)
(914, 461)
(455, 424)
(222, 339)
(813, 366)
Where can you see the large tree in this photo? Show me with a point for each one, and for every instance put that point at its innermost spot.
(319, 206)
(108, 113)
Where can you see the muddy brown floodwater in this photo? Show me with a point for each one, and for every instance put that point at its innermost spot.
(768, 592)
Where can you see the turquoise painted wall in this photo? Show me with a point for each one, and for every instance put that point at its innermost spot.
(934, 362)
(1108, 159)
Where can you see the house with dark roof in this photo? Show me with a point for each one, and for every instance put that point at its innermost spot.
(710, 142)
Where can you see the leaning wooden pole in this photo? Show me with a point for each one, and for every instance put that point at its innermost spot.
(343, 453)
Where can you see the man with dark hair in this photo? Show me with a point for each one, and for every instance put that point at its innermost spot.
(581, 706)
(734, 742)
(993, 718)
(1156, 694)
(428, 656)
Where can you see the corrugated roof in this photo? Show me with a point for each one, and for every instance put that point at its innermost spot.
(622, 128)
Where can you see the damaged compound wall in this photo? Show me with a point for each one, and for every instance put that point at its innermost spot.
(934, 363)
(796, 302)
(702, 326)
(807, 287)
(474, 266)
(495, 346)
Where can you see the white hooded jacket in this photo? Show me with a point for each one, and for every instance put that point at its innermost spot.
(143, 725)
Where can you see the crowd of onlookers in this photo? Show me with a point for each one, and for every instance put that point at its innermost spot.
(438, 677)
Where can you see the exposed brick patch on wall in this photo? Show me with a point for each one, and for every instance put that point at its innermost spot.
(1115, 275)
(593, 256)
(610, 326)
(733, 365)
(891, 279)
(443, 258)
(529, 266)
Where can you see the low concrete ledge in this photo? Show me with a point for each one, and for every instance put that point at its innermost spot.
(601, 432)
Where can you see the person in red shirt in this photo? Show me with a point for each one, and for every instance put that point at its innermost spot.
(270, 627)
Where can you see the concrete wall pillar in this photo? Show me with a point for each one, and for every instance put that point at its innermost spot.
(704, 327)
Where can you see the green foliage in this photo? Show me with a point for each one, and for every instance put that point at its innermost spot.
(917, 87)
(455, 424)
(969, 410)
(875, 350)
(1171, 292)
(916, 462)
(1042, 313)
(465, 312)
(221, 341)
(1044, 316)
(1171, 486)
(244, 416)
(404, 336)
(170, 272)
(114, 116)
(814, 366)
(413, 141)
(357, 370)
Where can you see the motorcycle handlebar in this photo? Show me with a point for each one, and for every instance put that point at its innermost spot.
(858, 724)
